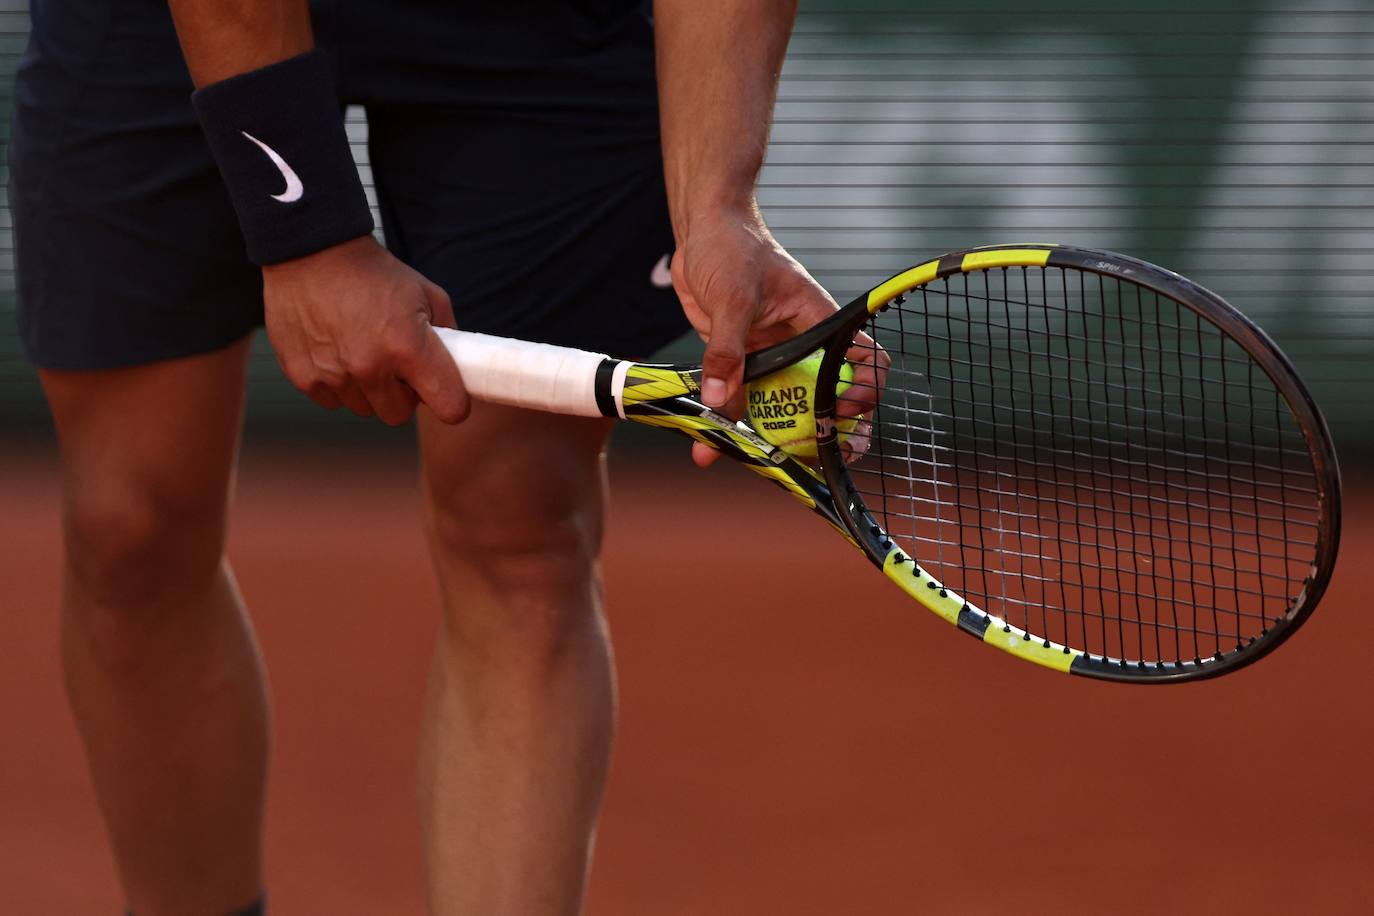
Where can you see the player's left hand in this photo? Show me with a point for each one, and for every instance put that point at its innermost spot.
(742, 292)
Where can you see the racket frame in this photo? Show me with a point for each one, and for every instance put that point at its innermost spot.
(905, 569)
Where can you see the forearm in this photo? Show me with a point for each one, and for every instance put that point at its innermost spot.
(270, 111)
(222, 38)
(718, 67)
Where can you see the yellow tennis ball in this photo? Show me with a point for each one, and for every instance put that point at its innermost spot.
(782, 406)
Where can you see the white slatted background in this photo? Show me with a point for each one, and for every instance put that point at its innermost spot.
(1232, 142)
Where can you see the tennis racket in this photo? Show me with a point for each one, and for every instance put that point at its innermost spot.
(1082, 459)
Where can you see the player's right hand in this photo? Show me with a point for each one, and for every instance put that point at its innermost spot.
(742, 292)
(351, 327)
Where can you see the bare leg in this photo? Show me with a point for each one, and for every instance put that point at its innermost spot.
(520, 713)
(161, 667)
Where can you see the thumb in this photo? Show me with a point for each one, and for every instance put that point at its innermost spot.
(722, 367)
(440, 305)
(435, 378)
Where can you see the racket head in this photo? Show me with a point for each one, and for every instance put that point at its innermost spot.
(1088, 461)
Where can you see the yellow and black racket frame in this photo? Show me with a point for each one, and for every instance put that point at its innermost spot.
(667, 396)
(1210, 308)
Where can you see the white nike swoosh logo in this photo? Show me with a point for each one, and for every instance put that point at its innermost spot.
(294, 188)
(661, 276)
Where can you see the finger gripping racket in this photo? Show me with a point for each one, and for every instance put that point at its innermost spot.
(1080, 458)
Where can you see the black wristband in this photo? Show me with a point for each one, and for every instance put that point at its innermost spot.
(278, 137)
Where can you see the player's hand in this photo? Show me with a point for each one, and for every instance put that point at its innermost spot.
(351, 326)
(742, 291)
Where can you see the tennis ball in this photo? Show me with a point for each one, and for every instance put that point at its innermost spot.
(782, 406)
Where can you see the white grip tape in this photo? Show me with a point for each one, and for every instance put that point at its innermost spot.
(523, 374)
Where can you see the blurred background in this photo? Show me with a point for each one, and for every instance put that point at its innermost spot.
(778, 755)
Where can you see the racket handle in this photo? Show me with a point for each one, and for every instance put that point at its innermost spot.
(523, 374)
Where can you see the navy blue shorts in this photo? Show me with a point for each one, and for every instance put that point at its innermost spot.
(513, 146)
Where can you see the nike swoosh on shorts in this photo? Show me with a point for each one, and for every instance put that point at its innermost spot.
(661, 276)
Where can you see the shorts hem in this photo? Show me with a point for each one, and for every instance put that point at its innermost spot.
(56, 360)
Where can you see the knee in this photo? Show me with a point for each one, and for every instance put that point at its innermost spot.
(132, 551)
(521, 570)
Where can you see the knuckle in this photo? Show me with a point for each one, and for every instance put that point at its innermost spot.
(366, 369)
(302, 375)
(723, 358)
(329, 379)
(441, 297)
(395, 416)
(726, 346)
(399, 345)
(323, 395)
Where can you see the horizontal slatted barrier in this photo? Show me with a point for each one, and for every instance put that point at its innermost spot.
(1230, 142)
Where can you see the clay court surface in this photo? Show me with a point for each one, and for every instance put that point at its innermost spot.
(796, 737)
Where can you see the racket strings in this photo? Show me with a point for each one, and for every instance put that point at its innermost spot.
(1027, 518)
(1289, 514)
(1201, 440)
(1133, 412)
(1090, 461)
